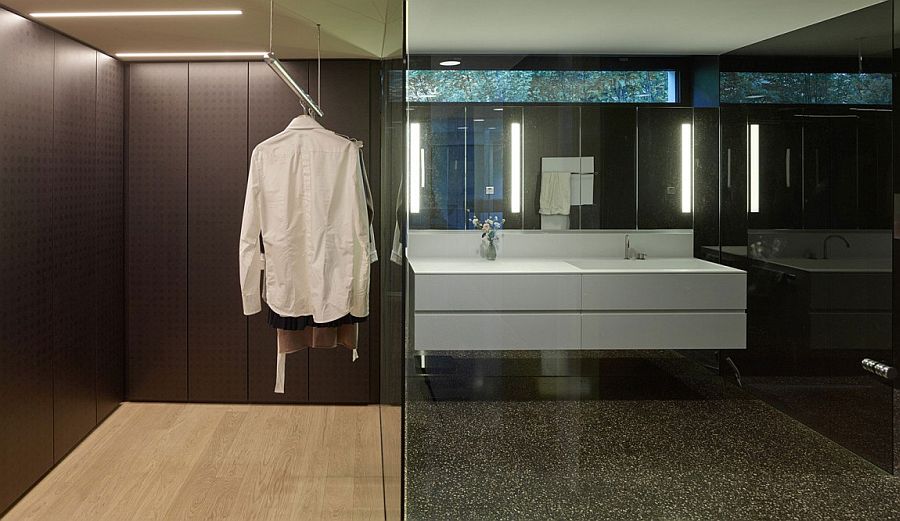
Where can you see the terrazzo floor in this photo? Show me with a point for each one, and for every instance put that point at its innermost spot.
(672, 443)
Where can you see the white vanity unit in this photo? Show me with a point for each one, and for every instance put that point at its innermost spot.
(566, 294)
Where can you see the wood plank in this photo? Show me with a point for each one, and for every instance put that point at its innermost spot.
(208, 461)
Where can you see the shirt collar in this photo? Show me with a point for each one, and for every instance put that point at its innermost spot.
(303, 122)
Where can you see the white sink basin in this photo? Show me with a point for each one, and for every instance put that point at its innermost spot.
(677, 265)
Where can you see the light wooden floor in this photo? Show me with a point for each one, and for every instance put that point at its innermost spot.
(200, 461)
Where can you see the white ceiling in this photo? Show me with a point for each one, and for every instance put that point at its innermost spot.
(350, 28)
(373, 28)
(609, 26)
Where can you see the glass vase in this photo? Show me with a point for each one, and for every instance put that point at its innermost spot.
(490, 251)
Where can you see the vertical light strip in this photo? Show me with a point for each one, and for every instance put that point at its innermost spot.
(415, 144)
(787, 168)
(422, 166)
(754, 168)
(515, 169)
(687, 167)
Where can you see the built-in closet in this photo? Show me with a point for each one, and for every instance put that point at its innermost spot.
(121, 198)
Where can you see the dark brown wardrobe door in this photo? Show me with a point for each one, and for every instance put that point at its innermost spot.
(157, 232)
(110, 253)
(217, 181)
(333, 376)
(75, 299)
(271, 108)
(26, 407)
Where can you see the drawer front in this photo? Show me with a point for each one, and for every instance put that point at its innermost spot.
(857, 331)
(664, 291)
(469, 331)
(850, 291)
(664, 331)
(497, 292)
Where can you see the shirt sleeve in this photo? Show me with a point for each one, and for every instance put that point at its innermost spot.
(370, 209)
(249, 252)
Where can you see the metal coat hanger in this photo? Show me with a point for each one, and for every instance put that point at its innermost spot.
(312, 108)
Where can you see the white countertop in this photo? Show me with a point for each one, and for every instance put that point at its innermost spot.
(834, 265)
(524, 265)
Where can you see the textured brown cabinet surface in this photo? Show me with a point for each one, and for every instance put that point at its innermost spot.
(109, 254)
(217, 157)
(26, 158)
(192, 128)
(271, 108)
(61, 267)
(157, 232)
(75, 300)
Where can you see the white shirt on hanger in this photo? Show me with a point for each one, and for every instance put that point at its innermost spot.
(307, 195)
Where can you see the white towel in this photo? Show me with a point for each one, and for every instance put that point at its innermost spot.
(556, 193)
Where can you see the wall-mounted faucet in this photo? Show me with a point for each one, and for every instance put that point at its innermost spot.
(627, 247)
(825, 244)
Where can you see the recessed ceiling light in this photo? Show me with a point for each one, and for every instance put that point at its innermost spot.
(461, 128)
(755, 96)
(98, 14)
(450, 63)
(498, 109)
(478, 120)
(258, 54)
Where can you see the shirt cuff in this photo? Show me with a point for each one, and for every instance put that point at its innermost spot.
(252, 304)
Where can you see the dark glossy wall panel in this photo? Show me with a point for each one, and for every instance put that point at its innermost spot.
(706, 179)
(26, 407)
(156, 237)
(217, 173)
(547, 132)
(271, 108)
(109, 151)
(659, 168)
(609, 134)
(75, 299)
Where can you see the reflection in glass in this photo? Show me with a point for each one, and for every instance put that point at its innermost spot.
(687, 167)
(827, 88)
(754, 168)
(415, 167)
(541, 86)
(515, 175)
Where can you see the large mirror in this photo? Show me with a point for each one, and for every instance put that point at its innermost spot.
(587, 147)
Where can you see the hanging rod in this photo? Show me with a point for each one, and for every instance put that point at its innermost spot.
(282, 73)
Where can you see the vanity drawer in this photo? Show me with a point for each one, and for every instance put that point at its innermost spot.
(664, 330)
(664, 291)
(497, 292)
(469, 331)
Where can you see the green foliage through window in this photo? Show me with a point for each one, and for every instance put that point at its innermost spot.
(808, 88)
(540, 86)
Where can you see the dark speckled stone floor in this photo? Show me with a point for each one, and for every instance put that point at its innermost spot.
(674, 443)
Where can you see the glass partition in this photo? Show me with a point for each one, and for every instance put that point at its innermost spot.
(806, 211)
(623, 270)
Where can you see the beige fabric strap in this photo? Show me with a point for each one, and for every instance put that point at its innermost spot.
(346, 335)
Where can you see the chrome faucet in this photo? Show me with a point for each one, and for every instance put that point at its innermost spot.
(627, 247)
(825, 244)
